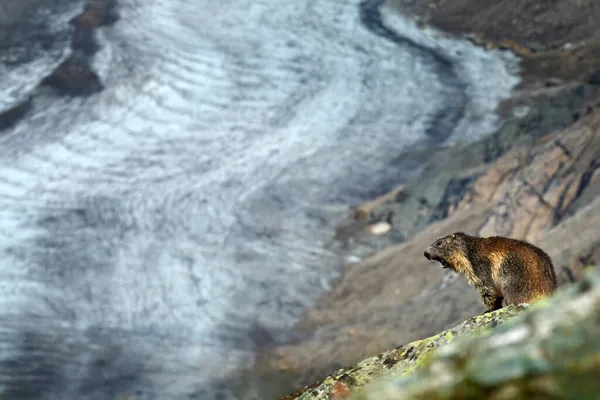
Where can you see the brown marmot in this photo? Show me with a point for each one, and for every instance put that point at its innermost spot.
(499, 268)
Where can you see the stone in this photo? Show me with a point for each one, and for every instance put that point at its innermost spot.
(401, 360)
(75, 77)
(595, 78)
(96, 14)
(12, 115)
(549, 349)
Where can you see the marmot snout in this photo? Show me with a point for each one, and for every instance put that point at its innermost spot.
(500, 268)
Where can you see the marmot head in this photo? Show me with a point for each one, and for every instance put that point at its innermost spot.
(450, 251)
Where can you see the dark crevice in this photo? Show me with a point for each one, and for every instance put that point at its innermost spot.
(586, 178)
(594, 79)
(583, 184)
(553, 178)
(536, 192)
(560, 205)
(455, 192)
(564, 148)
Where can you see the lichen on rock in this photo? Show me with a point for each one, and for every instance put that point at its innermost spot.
(549, 351)
(402, 360)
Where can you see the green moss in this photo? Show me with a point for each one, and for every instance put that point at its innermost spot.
(550, 351)
(552, 347)
(403, 360)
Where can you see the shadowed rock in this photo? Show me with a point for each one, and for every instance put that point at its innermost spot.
(75, 76)
(11, 116)
(96, 14)
(595, 78)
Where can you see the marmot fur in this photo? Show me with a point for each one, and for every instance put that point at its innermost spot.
(499, 268)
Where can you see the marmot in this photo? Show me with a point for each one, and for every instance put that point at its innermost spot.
(499, 268)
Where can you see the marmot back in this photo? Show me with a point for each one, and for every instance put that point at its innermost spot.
(500, 268)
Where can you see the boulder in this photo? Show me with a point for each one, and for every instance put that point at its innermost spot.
(74, 76)
(13, 114)
(400, 360)
(550, 349)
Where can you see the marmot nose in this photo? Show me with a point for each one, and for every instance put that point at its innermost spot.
(426, 254)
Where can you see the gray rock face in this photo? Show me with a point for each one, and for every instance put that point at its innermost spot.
(451, 172)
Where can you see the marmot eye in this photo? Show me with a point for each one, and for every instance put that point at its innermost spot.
(439, 243)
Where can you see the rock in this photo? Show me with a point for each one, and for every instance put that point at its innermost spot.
(358, 229)
(84, 40)
(456, 190)
(578, 264)
(364, 210)
(556, 39)
(401, 360)
(533, 189)
(549, 351)
(453, 172)
(13, 114)
(75, 76)
(379, 228)
(574, 243)
(534, 178)
(96, 14)
(595, 78)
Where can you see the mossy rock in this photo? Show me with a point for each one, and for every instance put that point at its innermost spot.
(551, 351)
(402, 360)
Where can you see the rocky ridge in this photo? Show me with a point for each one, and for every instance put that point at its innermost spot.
(400, 360)
(548, 350)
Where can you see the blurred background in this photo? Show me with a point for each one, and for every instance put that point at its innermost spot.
(227, 200)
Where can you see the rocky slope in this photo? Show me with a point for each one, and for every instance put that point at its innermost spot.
(400, 360)
(547, 351)
(544, 191)
(558, 40)
(537, 178)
